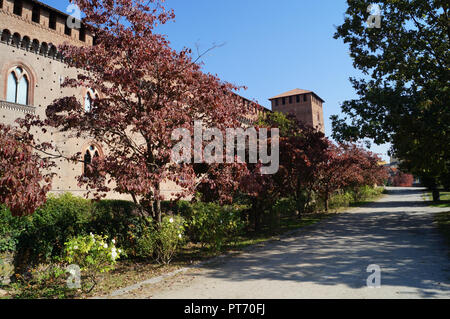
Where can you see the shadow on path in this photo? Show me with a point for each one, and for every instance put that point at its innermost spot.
(396, 233)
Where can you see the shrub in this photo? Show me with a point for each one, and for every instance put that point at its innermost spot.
(366, 192)
(52, 225)
(181, 208)
(401, 179)
(214, 225)
(119, 220)
(161, 242)
(10, 230)
(92, 253)
(43, 281)
(145, 244)
(341, 199)
(285, 206)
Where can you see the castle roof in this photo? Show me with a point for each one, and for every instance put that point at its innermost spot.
(295, 92)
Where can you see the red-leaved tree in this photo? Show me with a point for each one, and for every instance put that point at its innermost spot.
(25, 177)
(401, 179)
(145, 91)
(302, 155)
(347, 166)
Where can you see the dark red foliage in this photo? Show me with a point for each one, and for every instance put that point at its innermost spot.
(23, 181)
(145, 90)
(401, 179)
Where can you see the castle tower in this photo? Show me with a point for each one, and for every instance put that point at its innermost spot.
(307, 107)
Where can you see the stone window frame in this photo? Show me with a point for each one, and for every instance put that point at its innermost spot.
(31, 76)
(92, 147)
(93, 95)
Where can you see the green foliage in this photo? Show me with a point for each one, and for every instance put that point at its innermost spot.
(284, 123)
(41, 237)
(162, 241)
(92, 253)
(182, 208)
(403, 97)
(119, 220)
(52, 225)
(366, 193)
(285, 205)
(146, 243)
(341, 199)
(214, 225)
(350, 197)
(10, 229)
(43, 282)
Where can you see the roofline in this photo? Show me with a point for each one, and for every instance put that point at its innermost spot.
(253, 102)
(50, 8)
(310, 92)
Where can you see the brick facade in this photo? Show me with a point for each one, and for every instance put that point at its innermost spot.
(305, 105)
(32, 46)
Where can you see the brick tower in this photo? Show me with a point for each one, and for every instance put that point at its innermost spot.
(307, 107)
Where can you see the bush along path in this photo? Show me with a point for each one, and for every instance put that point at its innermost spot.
(62, 233)
(396, 233)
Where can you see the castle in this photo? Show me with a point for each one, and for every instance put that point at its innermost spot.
(32, 71)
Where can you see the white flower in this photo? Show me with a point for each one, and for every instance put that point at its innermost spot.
(120, 251)
(91, 234)
(75, 247)
(105, 246)
(171, 220)
(114, 253)
(114, 241)
(180, 236)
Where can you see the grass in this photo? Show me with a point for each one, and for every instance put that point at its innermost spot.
(129, 272)
(443, 203)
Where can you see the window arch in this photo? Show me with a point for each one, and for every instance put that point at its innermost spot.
(44, 49)
(25, 43)
(35, 45)
(16, 39)
(92, 152)
(89, 98)
(6, 36)
(18, 86)
(88, 102)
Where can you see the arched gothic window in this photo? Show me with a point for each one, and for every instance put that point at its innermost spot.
(88, 102)
(90, 154)
(17, 86)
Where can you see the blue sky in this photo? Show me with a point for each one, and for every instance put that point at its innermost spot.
(269, 46)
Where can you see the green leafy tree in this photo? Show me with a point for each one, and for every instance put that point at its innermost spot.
(404, 94)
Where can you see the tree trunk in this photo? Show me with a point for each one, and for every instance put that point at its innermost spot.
(158, 215)
(327, 200)
(256, 220)
(255, 209)
(436, 195)
(300, 208)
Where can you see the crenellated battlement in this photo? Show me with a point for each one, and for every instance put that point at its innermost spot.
(45, 49)
(35, 20)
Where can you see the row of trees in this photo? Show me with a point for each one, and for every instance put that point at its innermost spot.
(146, 90)
(403, 98)
(311, 168)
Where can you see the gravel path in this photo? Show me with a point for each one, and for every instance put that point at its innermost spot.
(330, 260)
